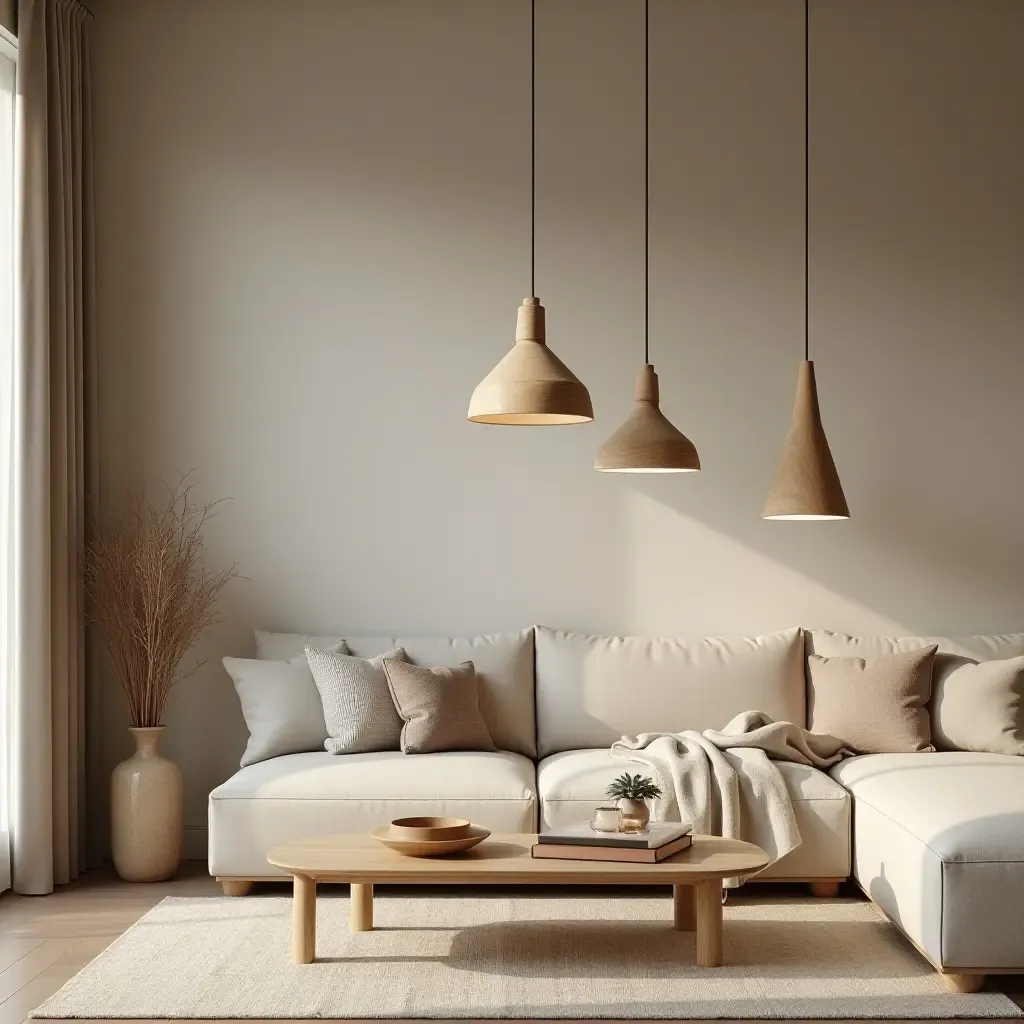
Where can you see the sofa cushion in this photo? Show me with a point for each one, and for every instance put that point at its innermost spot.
(503, 662)
(280, 704)
(874, 705)
(593, 689)
(286, 646)
(439, 706)
(998, 725)
(359, 712)
(304, 795)
(982, 707)
(572, 783)
(940, 845)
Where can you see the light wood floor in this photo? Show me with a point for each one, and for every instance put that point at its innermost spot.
(44, 940)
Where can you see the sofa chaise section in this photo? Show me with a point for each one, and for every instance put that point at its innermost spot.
(303, 795)
(939, 847)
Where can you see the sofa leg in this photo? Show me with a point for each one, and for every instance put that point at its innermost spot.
(235, 886)
(963, 983)
(825, 890)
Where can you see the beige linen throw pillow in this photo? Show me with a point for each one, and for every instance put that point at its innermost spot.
(980, 706)
(440, 707)
(874, 705)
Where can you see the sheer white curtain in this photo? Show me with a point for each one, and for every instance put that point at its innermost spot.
(8, 67)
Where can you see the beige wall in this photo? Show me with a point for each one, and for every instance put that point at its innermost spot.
(312, 239)
(9, 15)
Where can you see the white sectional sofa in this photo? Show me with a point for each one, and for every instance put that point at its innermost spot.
(936, 839)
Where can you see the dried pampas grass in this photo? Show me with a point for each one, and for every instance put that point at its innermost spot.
(152, 594)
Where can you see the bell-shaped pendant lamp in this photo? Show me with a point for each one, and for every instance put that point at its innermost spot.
(647, 442)
(806, 484)
(531, 386)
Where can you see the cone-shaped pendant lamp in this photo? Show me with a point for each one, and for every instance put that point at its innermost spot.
(806, 484)
(531, 386)
(647, 442)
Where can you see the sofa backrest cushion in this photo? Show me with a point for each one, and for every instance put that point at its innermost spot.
(997, 711)
(593, 689)
(503, 662)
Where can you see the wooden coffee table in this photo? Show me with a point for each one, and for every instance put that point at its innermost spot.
(696, 875)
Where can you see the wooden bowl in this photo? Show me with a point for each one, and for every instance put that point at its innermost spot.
(435, 848)
(429, 830)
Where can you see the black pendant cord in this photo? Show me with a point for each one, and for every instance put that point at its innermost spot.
(533, 147)
(647, 181)
(807, 181)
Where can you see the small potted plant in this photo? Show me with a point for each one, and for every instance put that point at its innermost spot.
(632, 793)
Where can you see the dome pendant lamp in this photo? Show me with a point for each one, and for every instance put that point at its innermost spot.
(647, 442)
(531, 386)
(806, 484)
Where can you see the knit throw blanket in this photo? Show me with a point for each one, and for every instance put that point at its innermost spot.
(726, 784)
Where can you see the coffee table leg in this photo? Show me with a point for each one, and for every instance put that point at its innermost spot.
(304, 920)
(682, 903)
(361, 907)
(709, 923)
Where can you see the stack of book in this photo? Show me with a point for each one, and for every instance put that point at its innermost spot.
(581, 842)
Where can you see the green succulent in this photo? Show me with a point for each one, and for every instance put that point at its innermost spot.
(633, 787)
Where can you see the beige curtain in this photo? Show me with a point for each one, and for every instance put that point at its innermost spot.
(53, 382)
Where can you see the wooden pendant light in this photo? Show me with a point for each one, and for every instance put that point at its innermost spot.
(531, 386)
(647, 442)
(806, 484)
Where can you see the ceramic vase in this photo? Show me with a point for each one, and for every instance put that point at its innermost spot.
(636, 815)
(145, 812)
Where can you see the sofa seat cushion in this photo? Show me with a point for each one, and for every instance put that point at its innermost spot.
(940, 847)
(571, 784)
(962, 806)
(305, 795)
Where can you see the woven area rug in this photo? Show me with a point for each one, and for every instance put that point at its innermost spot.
(520, 957)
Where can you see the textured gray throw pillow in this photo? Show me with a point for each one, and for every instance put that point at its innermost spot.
(980, 706)
(440, 706)
(281, 706)
(358, 710)
(874, 705)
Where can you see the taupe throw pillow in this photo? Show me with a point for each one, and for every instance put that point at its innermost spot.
(980, 706)
(440, 707)
(358, 710)
(874, 705)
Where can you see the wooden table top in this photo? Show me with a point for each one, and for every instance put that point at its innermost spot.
(505, 859)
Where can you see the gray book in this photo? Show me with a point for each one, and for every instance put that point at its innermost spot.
(658, 834)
